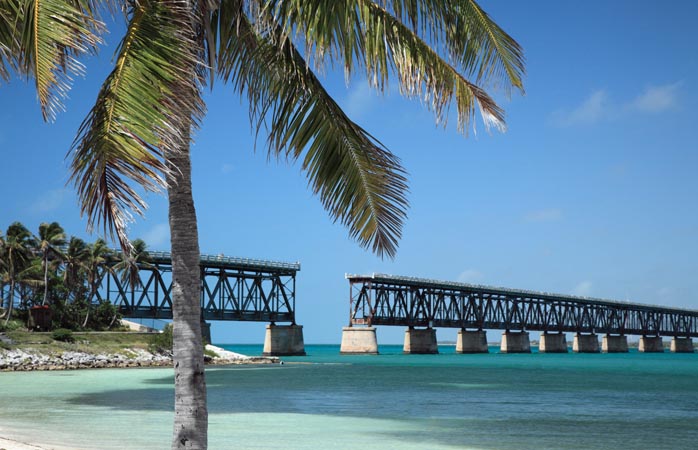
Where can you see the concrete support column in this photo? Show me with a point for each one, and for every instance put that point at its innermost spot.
(359, 341)
(284, 340)
(515, 342)
(614, 344)
(552, 343)
(472, 342)
(682, 345)
(651, 344)
(420, 341)
(585, 343)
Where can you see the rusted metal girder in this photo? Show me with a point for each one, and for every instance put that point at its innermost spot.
(405, 301)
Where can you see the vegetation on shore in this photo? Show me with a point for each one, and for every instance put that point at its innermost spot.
(49, 281)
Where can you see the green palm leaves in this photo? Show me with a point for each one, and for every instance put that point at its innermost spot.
(139, 112)
(446, 53)
(43, 39)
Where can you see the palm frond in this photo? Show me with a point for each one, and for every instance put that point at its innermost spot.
(8, 39)
(47, 37)
(465, 34)
(359, 181)
(138, 113)
(424, 74)
(433, 46)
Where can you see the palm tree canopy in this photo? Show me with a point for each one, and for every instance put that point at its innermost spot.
(444, 52)
(75, 258)
(51, 239)
(129, 264)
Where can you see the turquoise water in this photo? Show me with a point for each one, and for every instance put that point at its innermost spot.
(328, 401)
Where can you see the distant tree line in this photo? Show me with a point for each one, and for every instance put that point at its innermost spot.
(58, 276)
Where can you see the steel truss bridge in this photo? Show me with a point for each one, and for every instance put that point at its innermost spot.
(414, 302)
(231, 289)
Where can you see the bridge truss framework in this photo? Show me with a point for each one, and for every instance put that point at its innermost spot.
(231, 289)
(415, 302)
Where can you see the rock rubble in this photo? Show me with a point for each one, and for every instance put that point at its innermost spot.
(26, 360)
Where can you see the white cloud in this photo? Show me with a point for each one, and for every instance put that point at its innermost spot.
(470, 276)
(656, 99)
(593, 109)
(543, 215)
(599, 107)
(158, 236)
(583, 289)
(49, 201)
(227, 168)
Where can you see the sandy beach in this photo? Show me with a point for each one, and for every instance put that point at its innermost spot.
(10, 444)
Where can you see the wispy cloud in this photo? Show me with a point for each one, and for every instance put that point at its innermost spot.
(158, 236)
(600, 107)
(227, 168)
(656, 99)
(543, 215)
(49, 201)
(470, 276)
(583, 289)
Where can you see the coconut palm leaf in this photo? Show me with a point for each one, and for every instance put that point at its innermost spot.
(45, 39)
(432, 46)
(359, 182)
(8, 39)
(137, 113)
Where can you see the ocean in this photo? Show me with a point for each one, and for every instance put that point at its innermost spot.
(386, 401)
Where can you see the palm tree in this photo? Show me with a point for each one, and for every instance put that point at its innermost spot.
(95, 263)
(129, 267)
(17, 255)
(440, 51)
(74, 258)
(49, 241)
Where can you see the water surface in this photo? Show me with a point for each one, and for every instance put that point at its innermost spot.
(328, 401)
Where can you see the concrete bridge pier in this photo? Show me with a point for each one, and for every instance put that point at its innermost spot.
(682, 345)
(515, 342)
(359, 341)
(585, 343)
(284, 340)
(420, 341)
(651, 344)
(552, 343)
(614, 344)
(472, 342)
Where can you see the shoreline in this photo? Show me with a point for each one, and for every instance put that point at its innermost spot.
(12, 444)
(29, 360)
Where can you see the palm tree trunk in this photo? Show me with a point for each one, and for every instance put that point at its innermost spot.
(10, 302)
(93, 292)
(45, 281)
(191, 414)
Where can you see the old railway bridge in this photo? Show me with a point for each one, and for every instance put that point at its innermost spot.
(422, 305)
(231, 289)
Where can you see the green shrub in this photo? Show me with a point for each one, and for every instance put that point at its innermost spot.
(162, 342)
(12, 325)
(63, 335)
(210, 353)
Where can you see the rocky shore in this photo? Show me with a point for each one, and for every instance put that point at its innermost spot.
(29, 360)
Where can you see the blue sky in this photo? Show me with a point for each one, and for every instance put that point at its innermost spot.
(591, 191)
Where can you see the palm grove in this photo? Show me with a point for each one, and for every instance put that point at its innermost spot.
(443, 52)
(49, 271)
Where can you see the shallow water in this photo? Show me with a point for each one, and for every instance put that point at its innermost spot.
(324, 400)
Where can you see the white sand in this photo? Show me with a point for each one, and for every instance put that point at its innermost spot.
(9, 444)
